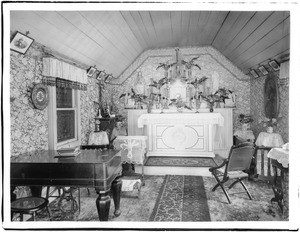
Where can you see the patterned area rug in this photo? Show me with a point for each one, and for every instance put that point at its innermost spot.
(181, 161)
(182, 198)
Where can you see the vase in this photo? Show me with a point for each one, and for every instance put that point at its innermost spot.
(180, 109)
(211, 108)
(270, 129)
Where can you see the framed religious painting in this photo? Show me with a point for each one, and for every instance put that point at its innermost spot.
(271, 96)
(20, 43)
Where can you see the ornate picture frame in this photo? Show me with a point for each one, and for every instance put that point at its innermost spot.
(40, 96)
(271, 97)
(254, 73)
(91, 71)
(274, 65)
(263, 70)
(20, 43)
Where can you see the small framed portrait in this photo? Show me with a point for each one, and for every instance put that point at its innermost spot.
(254, 73)
(274, 65)
(100, 75)
(20, 43)
(263, 70)
(91, 71)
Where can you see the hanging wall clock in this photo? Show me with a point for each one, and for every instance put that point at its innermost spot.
(40, 96)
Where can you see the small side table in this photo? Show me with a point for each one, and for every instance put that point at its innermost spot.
(265, 142)
(280, 161)
(133, 151)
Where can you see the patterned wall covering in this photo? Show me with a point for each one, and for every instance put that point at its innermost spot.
(29, 127)
(257, 108)
(211, 62)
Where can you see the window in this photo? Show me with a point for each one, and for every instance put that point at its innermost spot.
(64, 117)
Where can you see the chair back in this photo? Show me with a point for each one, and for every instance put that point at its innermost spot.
(240, 156)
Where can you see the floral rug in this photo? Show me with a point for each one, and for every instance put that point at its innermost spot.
(181, 161)
(145, 207)
(182, 198)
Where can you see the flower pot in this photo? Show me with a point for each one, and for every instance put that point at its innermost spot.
(270, 129)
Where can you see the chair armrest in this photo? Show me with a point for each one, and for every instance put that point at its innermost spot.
(221, 165)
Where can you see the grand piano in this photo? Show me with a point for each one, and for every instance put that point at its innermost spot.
(90, 168)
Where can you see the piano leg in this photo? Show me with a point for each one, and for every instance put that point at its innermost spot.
(116, 192)
(103, 204)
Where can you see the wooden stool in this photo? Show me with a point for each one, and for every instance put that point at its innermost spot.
(30, 205)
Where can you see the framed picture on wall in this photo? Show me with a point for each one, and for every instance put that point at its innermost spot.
(263, 70)
(20, 43)
(254, 73)
(91, 71)
(100, 75)
(274, 65)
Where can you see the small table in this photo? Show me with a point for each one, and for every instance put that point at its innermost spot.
(265, 142)
(133, 150)
(280, 161)
(90, 168)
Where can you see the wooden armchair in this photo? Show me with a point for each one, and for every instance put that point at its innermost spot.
(234, 167)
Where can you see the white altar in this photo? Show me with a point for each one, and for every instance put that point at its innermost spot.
(181, 134)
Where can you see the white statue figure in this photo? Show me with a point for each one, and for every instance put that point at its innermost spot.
(215, 82)
(230, 101)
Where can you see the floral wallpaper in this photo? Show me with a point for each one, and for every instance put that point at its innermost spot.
(29, 126)
(257, 108)
(212, 63)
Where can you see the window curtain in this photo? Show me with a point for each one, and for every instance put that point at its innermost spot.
(61, 74)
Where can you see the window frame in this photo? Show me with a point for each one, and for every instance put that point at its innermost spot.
(52, 120)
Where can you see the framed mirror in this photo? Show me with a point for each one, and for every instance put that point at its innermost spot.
(271, 96)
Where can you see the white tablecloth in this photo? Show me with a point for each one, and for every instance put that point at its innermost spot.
(133, 148)
(269, 140)
(98, 138)
(281, 155)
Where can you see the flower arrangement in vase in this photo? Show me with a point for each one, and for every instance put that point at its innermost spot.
(223, 93)
(138, 98)
(270, 123)
(211, 99)
(179, 103)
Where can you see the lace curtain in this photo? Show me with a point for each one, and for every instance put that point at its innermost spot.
(61, 74)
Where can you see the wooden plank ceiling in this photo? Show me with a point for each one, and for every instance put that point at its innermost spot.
(112, 40)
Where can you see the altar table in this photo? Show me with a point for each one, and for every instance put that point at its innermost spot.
(90, 168)
(181, 134)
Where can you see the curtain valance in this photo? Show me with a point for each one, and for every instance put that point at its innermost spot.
(62, 74)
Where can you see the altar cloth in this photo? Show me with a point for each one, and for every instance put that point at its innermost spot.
(133, 148)
(181, 118)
